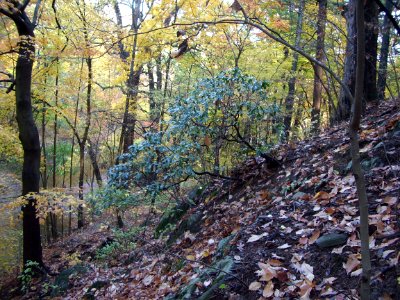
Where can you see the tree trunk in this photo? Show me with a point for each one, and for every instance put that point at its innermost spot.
(53, 216)
(82, 142)
(80, 182)
(289, 101)
(132, 84)
(44, 151)
(95, 165)
(154, 115)
(159, 73)
(383, 61)
(28, 133)
(355, 153)
(55, 128)
(344, 107)
(318, 72)
(371, 52)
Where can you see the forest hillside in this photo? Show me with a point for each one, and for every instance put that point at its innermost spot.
(287, 229)
(214, 149)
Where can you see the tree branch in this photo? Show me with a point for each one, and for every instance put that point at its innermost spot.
(24, 5)
(10, 80)
(216, 175)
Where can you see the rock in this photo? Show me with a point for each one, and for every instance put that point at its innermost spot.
(192, 224)
(298, 196)
(62, 280)
(331, 240)
(172, 217)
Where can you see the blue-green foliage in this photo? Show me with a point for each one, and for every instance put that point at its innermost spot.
(110, 196)
(212, 111)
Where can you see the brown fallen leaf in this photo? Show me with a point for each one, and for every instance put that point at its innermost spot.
(352, 263)
(268, 289)
(314, 237)
(255, 286)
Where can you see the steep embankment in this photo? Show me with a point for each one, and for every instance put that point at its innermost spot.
(284, 232)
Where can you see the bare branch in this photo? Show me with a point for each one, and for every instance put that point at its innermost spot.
(10, 79)
(24, 5)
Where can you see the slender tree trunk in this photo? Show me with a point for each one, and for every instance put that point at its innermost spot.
(154, 115)
(53, 216)
(355, 153)
(55, 128)
(73, 147)
(318, 72)
(81, 182)
(44, 151)
(289, 101)
(82, 142)
(159, 73)
(383, 61)
(95, 165)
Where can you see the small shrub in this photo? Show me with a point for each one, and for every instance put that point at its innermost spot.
(27, 275)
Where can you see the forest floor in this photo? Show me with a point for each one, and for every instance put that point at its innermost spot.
(287, 232)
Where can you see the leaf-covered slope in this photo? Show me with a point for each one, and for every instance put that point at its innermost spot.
(287, 232)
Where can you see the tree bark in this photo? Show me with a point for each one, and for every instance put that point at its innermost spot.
(371, 52)
(355, 153)
(95, 165)
(344, 107)
(318, 72)
(289, 101)
(28, 133)
(132, 83)
(384, 54)
(53, 216)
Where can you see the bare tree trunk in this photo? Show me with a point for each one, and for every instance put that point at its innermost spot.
(95, 165)
(80, 183)
(44, 150)
(355, 153)
(318, 72)
(28, 132)
(53, 216)
(289, 101)
(83, 141)
(383, 61)
(73, 146)
(371, 52)
(349, 78)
